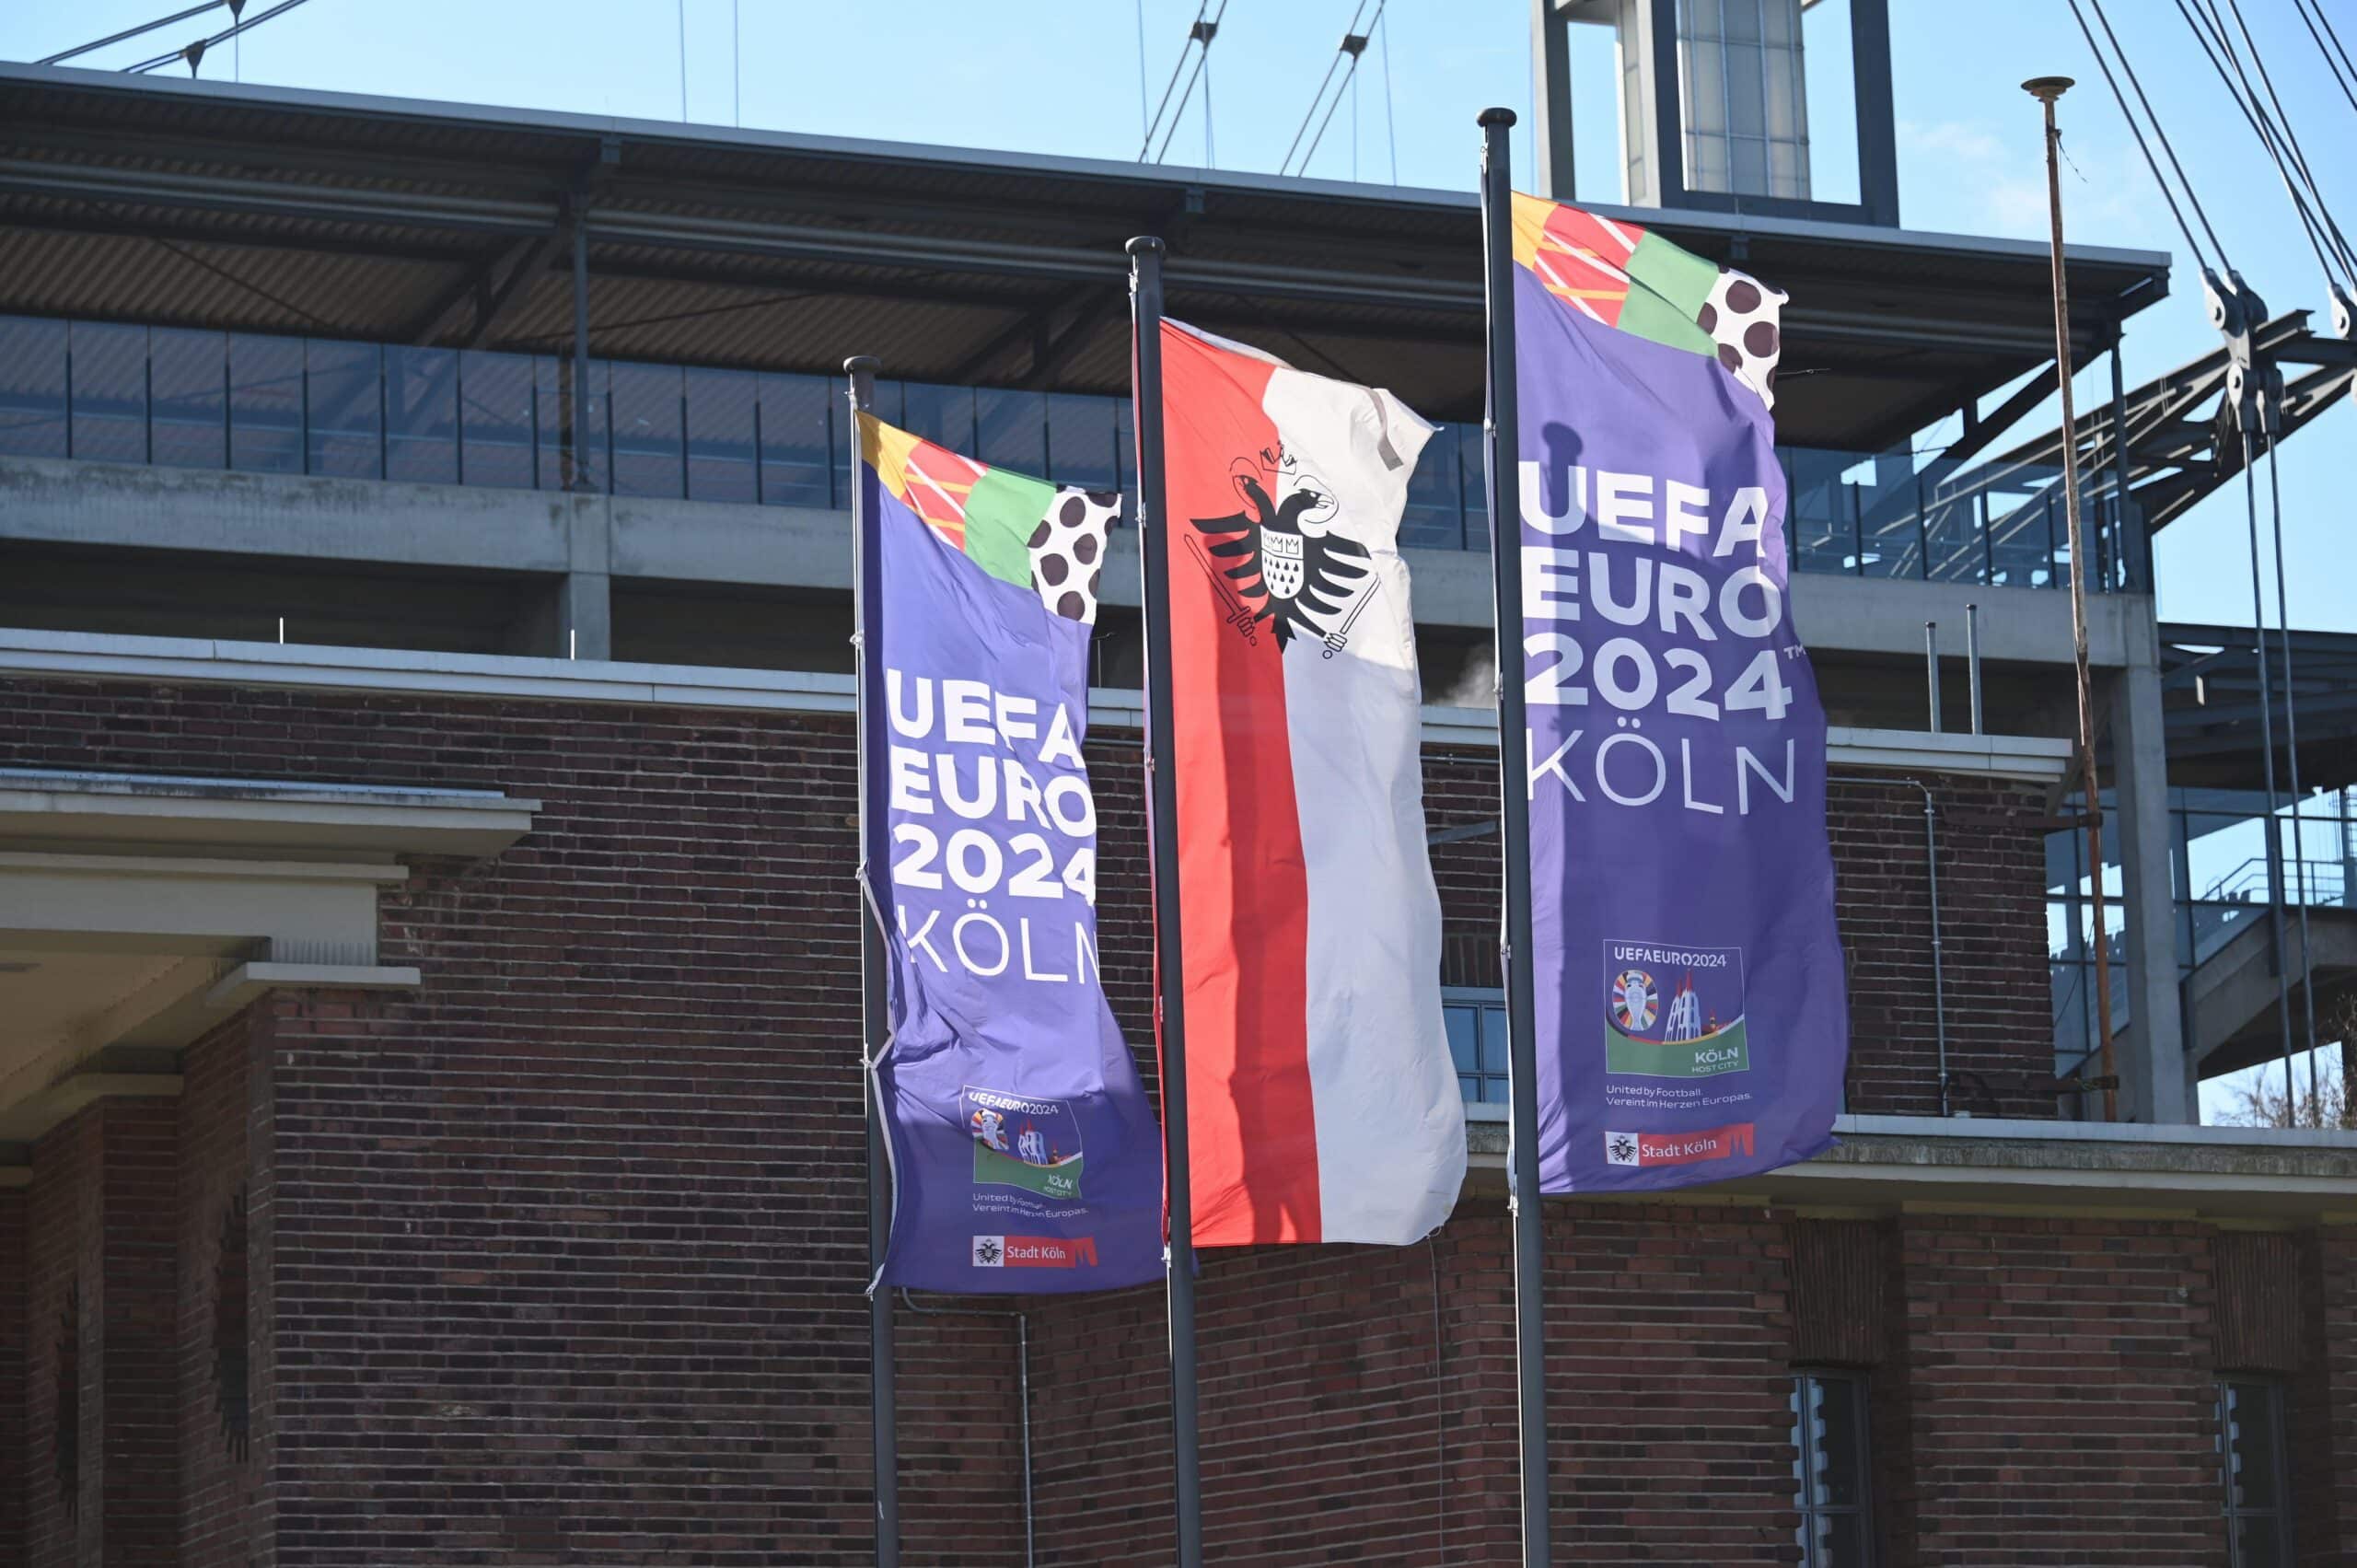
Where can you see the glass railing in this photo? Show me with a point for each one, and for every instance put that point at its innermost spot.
(113, 392)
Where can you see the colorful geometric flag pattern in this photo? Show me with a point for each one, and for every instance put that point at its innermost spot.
(1620, 275)
(1048, 538)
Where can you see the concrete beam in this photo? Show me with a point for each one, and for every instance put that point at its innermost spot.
(582, 539)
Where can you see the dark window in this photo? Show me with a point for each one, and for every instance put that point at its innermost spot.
(32, 387)
(2256, 1472)
(266, 404)
(189, 394)
(109, 370)
(798, 467)
(1830, 1479)
(1477, 1042)
(1434, 514)
(422, 415)
(720, 435)
(338, 401)
(648, 406)
(497, 409)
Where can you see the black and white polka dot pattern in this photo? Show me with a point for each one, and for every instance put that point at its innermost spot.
(1742, 318)
(1068, 551)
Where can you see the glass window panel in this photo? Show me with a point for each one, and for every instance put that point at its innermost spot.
(1494, 1045)
(189, 388)
(265, 403)
(1469, 1088)
(1840, 1541)
(1011, 430)
(1494, 1091)
(497, 414)
(109, 370)
(422, 415)
(1706, 109)
(798, 465)
(32, 387)
(1782, 69)
(1082, 435)
(2255, 1462)
(1702, 17)
(1474, 486)
(1839, 1446)
(720, 435)
(1741, 19)
(341, 402)
(648, 457)
(1464, 1023)
(944, 415)
(1434, 518)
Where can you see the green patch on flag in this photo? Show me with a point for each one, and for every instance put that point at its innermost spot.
(1725, 1052)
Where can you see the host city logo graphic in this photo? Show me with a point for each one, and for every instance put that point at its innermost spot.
(1022, 1141)
(1674, 1012)
(990, 1251)
(1620, 1148)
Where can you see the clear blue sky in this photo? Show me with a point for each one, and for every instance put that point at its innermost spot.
(1064, 76)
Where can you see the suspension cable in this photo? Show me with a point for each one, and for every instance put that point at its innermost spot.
(2259, 127)
(1200, 34)
(2292, 142)
(194, 52)
(1348, 81)
(1319, 96)
(132, 32)
(2134, 130)
(2291, 754)
(2344, 72)
(2267, 765)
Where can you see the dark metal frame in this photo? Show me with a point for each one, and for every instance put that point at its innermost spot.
(1878, 201)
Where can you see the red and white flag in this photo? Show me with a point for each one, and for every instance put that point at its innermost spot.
(1322, 1103)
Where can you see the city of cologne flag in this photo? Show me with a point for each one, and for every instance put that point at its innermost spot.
(1024, 1157)
(1690, 1014)
(1322, 1102)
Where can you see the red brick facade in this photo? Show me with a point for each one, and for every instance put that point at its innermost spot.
(559, 1259)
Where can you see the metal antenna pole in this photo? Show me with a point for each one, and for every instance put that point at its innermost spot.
(874, 1023)
(2046, 89)
(1503, 434)
(1169, 979)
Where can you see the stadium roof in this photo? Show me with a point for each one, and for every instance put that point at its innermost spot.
(194, 202)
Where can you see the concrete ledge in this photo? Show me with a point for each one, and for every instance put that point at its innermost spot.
(246, 981)
(1893, 1164)
(90, 809)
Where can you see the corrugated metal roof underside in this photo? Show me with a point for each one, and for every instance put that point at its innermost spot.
(392, 222)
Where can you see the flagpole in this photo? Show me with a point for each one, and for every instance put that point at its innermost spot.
(1503, 441)
(1145, 302)
(883, 1407)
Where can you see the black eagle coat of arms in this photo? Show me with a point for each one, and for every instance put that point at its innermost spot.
(1278, 558)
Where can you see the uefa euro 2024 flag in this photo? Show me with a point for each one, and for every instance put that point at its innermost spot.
(1321, 1101)
(1024, 1157)
(1690, 1011)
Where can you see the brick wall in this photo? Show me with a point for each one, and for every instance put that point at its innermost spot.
(65, 1216)
(564, 1251)
(216, 1472)
(2323, 1415)
(2058, 1379)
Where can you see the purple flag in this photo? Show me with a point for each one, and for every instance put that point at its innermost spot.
(1024, 1157)
(1690, 1013)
